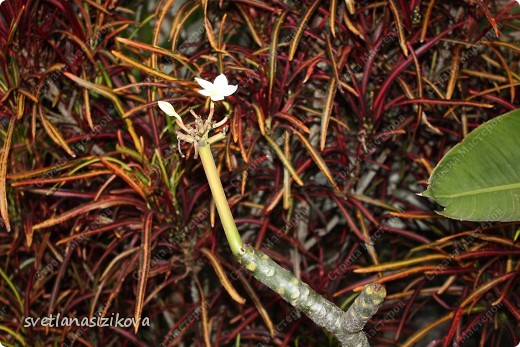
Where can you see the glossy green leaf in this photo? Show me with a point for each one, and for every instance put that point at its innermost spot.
(479, 178)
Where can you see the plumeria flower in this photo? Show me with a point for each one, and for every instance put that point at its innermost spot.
(217, 90)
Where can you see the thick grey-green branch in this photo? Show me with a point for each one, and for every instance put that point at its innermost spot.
(345, 325)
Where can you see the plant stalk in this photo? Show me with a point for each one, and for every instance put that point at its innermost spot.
(345, 325)
(224, 212)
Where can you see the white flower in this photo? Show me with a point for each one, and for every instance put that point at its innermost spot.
(218, 89)
(168, 109)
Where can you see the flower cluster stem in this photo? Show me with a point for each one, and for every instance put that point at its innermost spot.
(224, 212)
(345, 325)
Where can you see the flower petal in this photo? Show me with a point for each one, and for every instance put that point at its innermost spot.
(217, 97)
(203, 83)
(206, 92)
(229, 90)
(167, 108)
(216, 90)
(221, 81)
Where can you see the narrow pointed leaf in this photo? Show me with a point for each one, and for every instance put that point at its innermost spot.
(351, 6)
(3, 173)
(82, 209)
(284, 160)
(332, 18)
(317, 159)
(160, 14)
(109, 93)
(209, 27)
(399, 25)
(222, 276)
(251, 27)
(54, 134)
(178, 57)
(144, 268)
(301, 28)
(143, 67)
(273, 54)
(128, 177)
(327, 111)
(86, 102)
(256, 300)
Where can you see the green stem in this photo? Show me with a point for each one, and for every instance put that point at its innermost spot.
(228, 223)
(346, 326)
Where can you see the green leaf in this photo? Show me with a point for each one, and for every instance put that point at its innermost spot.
(479, 178)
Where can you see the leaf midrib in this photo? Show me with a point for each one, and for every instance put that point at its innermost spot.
(482, 191)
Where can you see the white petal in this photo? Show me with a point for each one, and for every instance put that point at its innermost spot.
(206, 92)
(217, 97)
(203, 83)
(221, 81)
(167, 108)
(229, 90)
